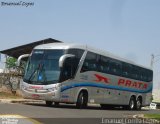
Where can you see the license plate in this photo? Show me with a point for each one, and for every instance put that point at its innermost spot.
(35, 96)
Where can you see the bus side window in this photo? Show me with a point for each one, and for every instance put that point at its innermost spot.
(112, 67)
(67, 70)
(141, 74)
(106, 69)
(104, 62)
(115, 67)
(126, 70)
(78, 54)
(119, 68)
(144, 74)
(134, 72)
(84, 67)
(101, 68)
(93, 66)
(149, 76)
(90, 62)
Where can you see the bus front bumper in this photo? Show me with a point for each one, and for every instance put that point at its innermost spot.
(39, 95)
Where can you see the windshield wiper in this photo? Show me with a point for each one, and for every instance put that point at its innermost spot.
(29, 79)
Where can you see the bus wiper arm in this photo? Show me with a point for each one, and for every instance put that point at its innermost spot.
(33, 73)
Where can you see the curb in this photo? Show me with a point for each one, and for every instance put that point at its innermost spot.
(23, 101)
(20, 101)
(28, 100)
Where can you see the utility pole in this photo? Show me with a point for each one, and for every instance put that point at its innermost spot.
(152, 60)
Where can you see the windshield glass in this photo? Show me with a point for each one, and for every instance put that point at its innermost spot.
(43, 67)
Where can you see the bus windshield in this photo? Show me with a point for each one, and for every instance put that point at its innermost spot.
(43, 67)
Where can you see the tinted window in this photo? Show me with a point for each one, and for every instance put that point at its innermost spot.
(78, 54)
(115, 67)
(149, 75)
(90, 63)
(135, 72)
(126, 70)
(95, 62)
(104, 64)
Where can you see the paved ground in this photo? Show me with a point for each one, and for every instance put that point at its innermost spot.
(92, 115)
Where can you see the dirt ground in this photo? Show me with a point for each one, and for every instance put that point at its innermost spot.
(6, 93)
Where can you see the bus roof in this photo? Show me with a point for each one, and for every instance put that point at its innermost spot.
(88, 48)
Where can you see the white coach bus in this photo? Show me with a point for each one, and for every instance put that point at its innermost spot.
(69, 73)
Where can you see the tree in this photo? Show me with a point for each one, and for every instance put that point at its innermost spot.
(10, 62)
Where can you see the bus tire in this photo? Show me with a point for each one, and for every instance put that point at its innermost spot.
(82, 100)
(138, 103)
(56, 104)
(103, 106)
(49, 103)
(132, 103)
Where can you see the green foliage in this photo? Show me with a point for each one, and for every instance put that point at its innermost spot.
(153, 116)
(11, 62)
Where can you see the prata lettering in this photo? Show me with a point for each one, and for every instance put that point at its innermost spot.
(132, 84)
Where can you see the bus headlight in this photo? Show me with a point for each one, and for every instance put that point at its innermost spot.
(51, 89)
(23, 87)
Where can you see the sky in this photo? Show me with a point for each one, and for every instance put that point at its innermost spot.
(127, 28)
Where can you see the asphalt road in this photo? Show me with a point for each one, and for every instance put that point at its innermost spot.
(59, 115)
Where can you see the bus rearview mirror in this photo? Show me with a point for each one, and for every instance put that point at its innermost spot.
(63, 58)
(20, 58)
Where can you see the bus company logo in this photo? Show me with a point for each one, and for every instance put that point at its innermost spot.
(132, 84)
(102, 79)
(36, 87)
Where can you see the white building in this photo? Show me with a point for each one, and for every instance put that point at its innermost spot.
(1, 70)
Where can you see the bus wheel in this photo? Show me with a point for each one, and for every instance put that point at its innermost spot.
(82, 100)
(138, 104)
(56, 104)
(103, 106)
(49, 103)
(132, 104)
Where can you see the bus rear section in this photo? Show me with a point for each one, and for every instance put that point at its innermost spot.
(111, 81)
